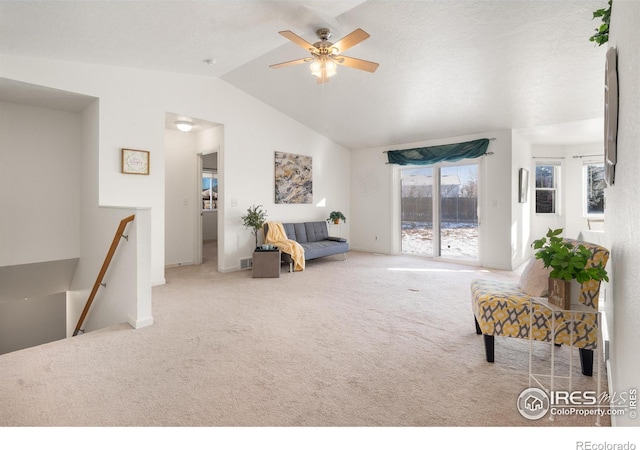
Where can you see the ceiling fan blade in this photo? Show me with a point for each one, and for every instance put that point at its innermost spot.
(298, 40)
(353, 38)
(290, 63)
(357, 63)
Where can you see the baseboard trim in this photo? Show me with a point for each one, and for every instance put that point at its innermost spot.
(610, 388)
(141, 323)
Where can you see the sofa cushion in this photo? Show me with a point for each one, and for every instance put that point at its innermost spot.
(534, 280)
(319, 249)
(301, 233)
(295, 231)
(316, 231)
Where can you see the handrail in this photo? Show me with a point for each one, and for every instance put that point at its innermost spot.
(114, 245)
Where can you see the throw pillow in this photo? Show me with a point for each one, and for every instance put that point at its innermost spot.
(535, 278)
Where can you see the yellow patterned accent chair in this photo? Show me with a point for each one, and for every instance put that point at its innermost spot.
(502, 309)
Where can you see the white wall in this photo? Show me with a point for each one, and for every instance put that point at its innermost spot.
(246, 177)
(49, 198)
(131, 114)
(572, 217)
(180, 187)
(371, 220)
(39, 184)
(375, 185)
(622, 212)
(521, 213)
(127, 297)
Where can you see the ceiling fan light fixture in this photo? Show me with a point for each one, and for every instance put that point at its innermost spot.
(323, 68)
(325, 55)
(330, 68)
(316, 68)
(184, 125)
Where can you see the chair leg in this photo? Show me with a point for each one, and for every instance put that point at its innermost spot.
(488, 347)
(586, 361)
(478, 330)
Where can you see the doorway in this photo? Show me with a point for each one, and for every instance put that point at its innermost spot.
(439, 211)
(184, 163)
(208, 207)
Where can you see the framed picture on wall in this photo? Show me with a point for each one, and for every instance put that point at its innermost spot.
(610, 115)
(523, 185)
(293, 178)
(135, 161)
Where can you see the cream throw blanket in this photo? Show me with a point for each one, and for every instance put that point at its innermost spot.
(278, 237)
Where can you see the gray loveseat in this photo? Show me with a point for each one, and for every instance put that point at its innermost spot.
(314, 238)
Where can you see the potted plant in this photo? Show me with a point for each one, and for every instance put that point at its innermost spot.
(336, 216)
(568, 263)
(601, 35)
(254, 219)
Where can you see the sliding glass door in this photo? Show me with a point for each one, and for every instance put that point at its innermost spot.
(459, 212)
(417, 211)
(439, 211)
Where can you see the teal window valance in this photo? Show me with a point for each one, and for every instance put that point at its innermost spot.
(439, 153)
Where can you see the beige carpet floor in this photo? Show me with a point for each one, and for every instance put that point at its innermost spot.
(373, 341)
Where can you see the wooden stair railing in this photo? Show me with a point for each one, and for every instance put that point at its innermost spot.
(114, 245)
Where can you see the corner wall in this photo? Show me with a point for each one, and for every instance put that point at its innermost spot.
(572, 159)
(521, 213)
(622, 212)
(127, 295)
(39, 184)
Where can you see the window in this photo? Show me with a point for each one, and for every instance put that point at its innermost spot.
(547, 182)
(209, 191)
(594, 189)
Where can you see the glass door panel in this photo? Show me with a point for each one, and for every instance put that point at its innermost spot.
(458, 212)
(417, 211)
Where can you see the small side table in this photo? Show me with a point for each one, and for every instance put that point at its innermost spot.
(576, 309)
(266, 264)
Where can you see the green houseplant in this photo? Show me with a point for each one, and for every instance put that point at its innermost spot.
(254, 219)
(568, 262)
(336, 216)
(601, 35)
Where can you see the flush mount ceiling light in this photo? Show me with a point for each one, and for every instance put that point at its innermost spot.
(325, 56)
(184, 125)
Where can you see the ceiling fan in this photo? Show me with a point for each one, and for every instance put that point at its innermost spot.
(325, 56)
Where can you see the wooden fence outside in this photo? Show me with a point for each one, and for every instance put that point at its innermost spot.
(452, 209)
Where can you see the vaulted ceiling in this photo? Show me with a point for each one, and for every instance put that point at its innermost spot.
(447, 67)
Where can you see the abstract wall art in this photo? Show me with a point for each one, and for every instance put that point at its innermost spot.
(293, 178)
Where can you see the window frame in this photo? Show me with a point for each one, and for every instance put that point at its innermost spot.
(585, 173)
(557, 173)
(213, 176)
